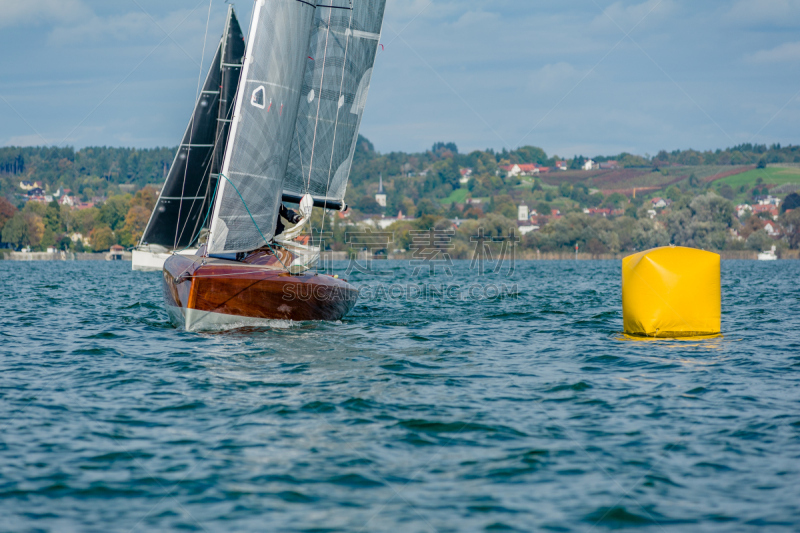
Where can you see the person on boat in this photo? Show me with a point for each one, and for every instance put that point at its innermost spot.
(289, 215)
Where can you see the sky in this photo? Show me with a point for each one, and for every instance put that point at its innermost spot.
(575, 77)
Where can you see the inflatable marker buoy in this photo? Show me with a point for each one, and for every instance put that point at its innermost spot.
(671, 292)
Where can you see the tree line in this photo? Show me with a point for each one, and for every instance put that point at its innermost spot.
(119, 220)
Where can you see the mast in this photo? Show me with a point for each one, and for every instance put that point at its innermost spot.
(233, 46)
(230, 71)
(263, 123)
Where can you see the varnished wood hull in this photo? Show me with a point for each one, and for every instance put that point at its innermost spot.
(210, 294)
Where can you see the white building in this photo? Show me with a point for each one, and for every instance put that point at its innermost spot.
(770, 200)
(381, 196)
(658, 203)
(771, 230)
(589, 165)
(523, 214)
(744, 210)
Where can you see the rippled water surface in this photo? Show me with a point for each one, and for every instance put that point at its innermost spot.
(527, 411)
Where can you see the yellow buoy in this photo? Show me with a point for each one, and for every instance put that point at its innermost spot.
(671, 292)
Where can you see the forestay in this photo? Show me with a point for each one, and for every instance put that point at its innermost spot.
(342, 49)
(246, 207)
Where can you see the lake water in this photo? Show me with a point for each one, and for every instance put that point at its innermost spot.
(517, 406)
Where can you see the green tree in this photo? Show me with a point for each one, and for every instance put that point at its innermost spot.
(427, 207)
(52, 218)
(15, 230)
(368, 206)
(791, 224)
(792, 201)
(615, 200)
(726, 191)
(86, 220)
(101, 238)
(113, 211)
(449, 173)
(759, 241)
(24, 229)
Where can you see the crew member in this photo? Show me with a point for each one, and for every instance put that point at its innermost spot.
(289, 215)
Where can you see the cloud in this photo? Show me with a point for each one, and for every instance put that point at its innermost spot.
(619, 16)
(34, 12)
(29, 140)
(772, 12)
(785, 53)
(555, 77)
(136, 26)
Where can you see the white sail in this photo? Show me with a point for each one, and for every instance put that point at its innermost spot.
(344, 41)
(265, 113)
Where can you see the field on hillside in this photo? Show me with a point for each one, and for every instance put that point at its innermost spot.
(771, 177)
(624, 180)
(458, 196)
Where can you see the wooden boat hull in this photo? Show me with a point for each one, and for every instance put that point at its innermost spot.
(206, 294)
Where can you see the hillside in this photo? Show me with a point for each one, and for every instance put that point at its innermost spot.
(435, 185)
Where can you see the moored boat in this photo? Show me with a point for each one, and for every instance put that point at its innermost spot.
(769, 255)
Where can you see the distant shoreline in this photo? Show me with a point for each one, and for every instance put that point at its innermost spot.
(342, 256)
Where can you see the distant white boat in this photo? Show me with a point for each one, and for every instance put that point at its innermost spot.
(768, 256)
(151, 257)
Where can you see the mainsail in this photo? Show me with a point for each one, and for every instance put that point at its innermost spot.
(180, 205)
(186, 195)
(264, 118)
(342, 49)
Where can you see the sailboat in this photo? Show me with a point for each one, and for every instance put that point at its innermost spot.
(177, 219)
(301, 97)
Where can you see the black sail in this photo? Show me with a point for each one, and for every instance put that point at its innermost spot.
(179, 213)
(233, 46)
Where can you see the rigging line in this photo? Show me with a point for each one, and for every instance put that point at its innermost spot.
(207, 162)
(299, 149)
(191, 123)
(208, 212)
(252, 28)
(210, 162)
(338, 110)
(254, 220)
(319, 102)
(319, 106)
